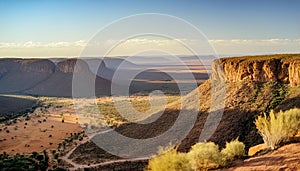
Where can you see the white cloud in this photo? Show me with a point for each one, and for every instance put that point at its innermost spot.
(248, 46)
(254, 41)
(137, 45)
(31, 44)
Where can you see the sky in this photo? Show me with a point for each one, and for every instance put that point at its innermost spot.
(62, 28)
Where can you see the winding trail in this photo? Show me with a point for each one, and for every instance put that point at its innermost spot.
(81, 166)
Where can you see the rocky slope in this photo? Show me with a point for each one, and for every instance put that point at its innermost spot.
(285, 158)
(254, 85)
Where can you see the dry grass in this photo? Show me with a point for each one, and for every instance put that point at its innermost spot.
(134, 108)
(233, 149)
(169, 160)
(204, 156)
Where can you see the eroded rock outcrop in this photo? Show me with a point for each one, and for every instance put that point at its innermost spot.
(260, 70)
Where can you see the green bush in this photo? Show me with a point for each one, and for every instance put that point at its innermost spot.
(204, 156)
(276, 129)
(169, 160)
(233, 149)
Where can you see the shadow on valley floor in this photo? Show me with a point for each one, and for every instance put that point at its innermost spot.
(234, 123)
(13, 106)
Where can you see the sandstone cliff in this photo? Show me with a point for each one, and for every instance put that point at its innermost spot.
(261, 69)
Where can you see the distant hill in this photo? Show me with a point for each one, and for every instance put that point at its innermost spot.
(45, 78)
(20, 75)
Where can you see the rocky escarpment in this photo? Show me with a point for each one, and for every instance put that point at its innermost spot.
(283, 68)
(26, 65)
(72, 66)
(41, 65)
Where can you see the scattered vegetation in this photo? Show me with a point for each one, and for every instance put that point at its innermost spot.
(256, 92)
(234, 149)
(278, 128)
(202, 156)
(69, 141)
(169, 159)
(112, 117)
(20, 162)
(279, 91)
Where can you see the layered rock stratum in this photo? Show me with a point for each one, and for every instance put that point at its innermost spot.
(283, 68)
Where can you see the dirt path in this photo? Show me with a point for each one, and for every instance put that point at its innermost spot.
(81, 166)
(285, 158)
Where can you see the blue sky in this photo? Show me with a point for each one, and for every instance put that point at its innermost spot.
(77, 20)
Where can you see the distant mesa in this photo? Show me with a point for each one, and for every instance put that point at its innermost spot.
(19, 75)
(54, 76)
(44, 77)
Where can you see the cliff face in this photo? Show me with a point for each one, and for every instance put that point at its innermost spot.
(260, 70)
(68, 66)
(27, 65)
(41, 65)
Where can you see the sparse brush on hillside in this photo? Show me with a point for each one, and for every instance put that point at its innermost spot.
(169, 159)
(278, 128)
(202, 156)
(233, 149)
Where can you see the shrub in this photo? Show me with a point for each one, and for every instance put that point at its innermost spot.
(169, 159)
(276, 129)
(204, 156)
(233, 149)
(27, 118)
